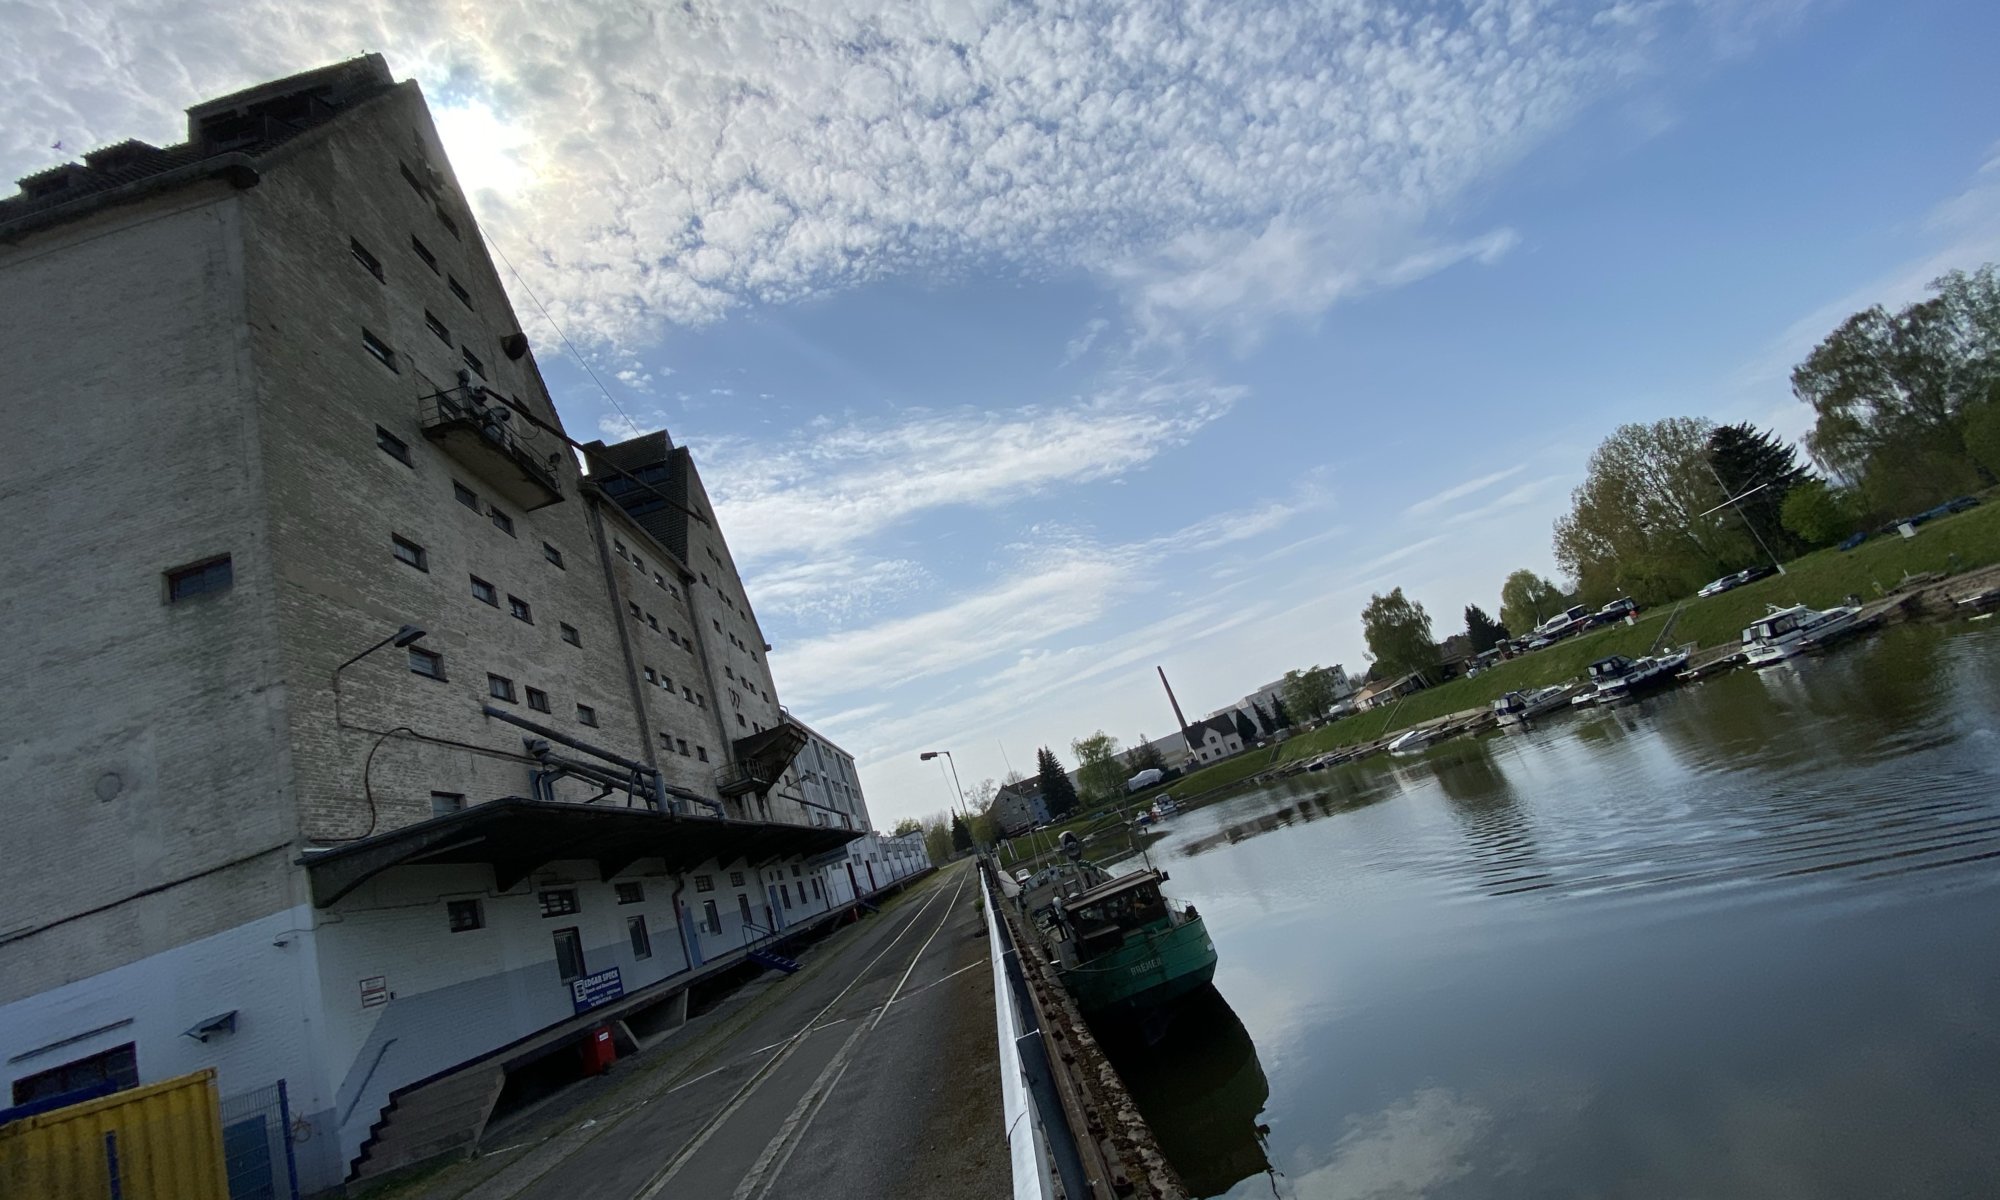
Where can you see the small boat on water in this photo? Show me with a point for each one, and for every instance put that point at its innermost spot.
(1518, 708)
(1783, 632)
(1120, 945)
(1412, 741)
(1621, 678)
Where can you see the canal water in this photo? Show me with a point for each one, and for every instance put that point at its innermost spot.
(1737, 940)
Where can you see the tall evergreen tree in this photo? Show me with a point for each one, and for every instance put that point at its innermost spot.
(1762, 470)
(1057, 791)
(1245, 728)
(1264, 719)
(1278, 713)
(961, 837)
(1481, 630)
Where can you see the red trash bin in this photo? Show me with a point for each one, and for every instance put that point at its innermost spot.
(599, 1051)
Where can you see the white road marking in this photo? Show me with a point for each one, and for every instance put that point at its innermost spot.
(657, 1184)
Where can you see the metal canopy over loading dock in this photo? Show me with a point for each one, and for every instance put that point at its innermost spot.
(516, 837)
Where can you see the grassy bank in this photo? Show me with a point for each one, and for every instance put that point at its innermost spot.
(1969, 539)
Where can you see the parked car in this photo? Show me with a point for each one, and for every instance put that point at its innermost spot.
(1753, 574)
(1960, 503)
(1719, 586)
(1143, 780)
(1614, 611)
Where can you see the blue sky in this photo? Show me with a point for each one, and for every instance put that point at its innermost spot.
(1026, 348)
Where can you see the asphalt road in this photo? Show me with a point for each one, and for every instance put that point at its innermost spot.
(871, 1074)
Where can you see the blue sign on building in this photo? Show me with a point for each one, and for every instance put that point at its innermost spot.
(593, 990)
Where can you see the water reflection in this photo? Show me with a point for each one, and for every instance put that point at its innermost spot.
(1726, 942)
(1202, 1090)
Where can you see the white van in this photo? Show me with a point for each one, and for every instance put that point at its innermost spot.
(1143, 780)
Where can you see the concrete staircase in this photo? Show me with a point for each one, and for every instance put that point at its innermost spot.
(428, 1120)
(772, 960)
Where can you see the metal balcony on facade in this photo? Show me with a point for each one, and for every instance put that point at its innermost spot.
(487, 437)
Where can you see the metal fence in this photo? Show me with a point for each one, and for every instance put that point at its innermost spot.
(257, 1145)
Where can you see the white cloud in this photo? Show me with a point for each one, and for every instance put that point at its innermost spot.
(844, 482)
(1461, 491)
(1231, 162)
(1080, 344)
(1406, 1151)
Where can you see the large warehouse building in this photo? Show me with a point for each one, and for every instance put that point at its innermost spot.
(363, 726)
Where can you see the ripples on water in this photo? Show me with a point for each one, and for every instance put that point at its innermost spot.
(1734, 940)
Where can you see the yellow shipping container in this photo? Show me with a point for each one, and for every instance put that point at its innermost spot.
(158, 1142)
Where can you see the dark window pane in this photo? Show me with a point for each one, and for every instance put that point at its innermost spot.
(216, 575)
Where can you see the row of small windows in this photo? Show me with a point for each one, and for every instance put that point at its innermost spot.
(437, 206)
(386, 354)
(373, 266)
(639, 564)
(665, 681)
(674, 745)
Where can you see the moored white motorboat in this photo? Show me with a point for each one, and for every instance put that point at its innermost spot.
(1784, 632)
(1413, 741)
(1620, 678)
(1517, 708)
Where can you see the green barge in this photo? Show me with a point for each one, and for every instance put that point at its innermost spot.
(1121, 946)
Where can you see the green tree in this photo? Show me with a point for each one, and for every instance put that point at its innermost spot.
(961, 835)
(906, 825)
(1245, 727)
(1398, 633)
(937, 841)
(1982, 434)
(1636, 524)
(1481, 630)
(1279, 714)
(1310, 693)
(1760, 469)
(1058, 793)
(1098, 768)
(1265, 721)
(1889, 392)
(1526, 600)
(1145, 757)
(1819, 515)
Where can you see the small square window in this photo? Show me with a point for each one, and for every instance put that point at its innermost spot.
(538, 700)
(393, 446)
(501, 521)
(437, 327)
(739, 719)
(458, 289)
(633, 606)
(630, 893)
(653, 621)
(586, 715)
(215, 575)
(736, 879)
(558, 902)
(658, 581)
(652, 676)
(639, 564)
(687, 693)
(728, 672)
(361, 255)
(682, 744)
(411, 179)
(450, 226)
(446, 802)
(704, 883)
(716, 623)
(380, 349)
(409, 552)
(465, 495)
(520, 610)
(618, 547)
(500, 687)
(667, 742)
(552, 554)
(570, 635)
(701, 752)
(666, 682)
(701, 699)
(426, 662)
(424, 252)
(472, 360)
(485, 592)
(464, 915)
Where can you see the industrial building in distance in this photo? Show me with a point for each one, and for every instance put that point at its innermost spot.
(366, 731)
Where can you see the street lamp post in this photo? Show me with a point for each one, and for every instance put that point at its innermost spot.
(958, 808)
(405, 636)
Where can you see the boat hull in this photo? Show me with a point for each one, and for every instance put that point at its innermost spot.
(1149, 970)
